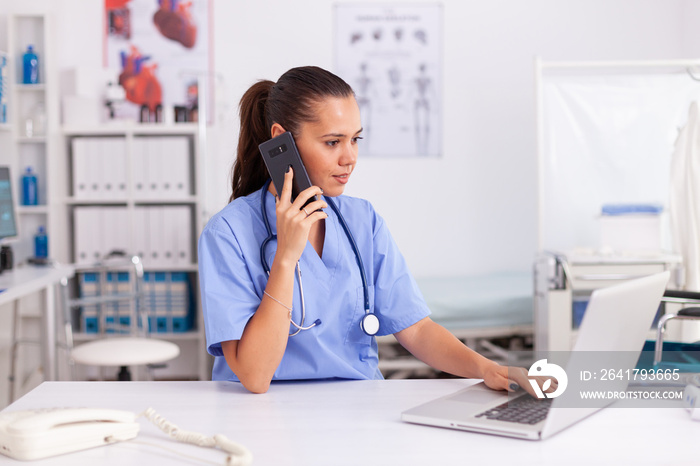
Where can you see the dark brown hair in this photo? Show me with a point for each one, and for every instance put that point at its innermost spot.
(289, 102)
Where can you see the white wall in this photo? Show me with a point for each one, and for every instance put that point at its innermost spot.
(474, 209)
(691, 33)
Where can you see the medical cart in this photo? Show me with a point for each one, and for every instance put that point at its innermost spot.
(564, 281)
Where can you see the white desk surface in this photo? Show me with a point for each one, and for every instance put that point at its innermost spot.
(355, 423)
(22, 281)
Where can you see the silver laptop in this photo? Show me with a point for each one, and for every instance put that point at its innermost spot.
(617, 320)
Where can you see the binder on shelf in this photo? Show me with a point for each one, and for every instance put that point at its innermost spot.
(80, 168)
(115, 229)
(160, 306)
(163, 235)
(139, 167)
(98, 231)
(121, 175)
(181, 302)
(169, 301)
(87, 287)
(170, 235)
(113, 176)
(156, 237)
(178, 222)
(86, 227)
(166, 162)
(94, 174)
(121, 284)
(161, 168)
(141, 243)
(176, 157)
(99, 169)
(154, 169)
(93, 316)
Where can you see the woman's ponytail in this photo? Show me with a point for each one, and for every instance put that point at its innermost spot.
(249, 172)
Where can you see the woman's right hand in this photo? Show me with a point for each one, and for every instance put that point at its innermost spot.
(293, 222)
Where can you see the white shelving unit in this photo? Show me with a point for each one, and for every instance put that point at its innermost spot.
(193, 361)
(49, 155)
(19, 150)
(38, 150)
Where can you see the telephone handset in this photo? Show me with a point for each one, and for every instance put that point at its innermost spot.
(41, 433)
(35, 434)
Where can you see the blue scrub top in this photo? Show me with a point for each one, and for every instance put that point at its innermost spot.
(232, 281)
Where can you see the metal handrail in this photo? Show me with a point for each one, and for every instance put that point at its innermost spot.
(138, 323)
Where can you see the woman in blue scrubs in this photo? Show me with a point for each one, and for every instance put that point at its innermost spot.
(248, 314)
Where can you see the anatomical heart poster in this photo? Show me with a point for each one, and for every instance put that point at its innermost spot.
(158, 49)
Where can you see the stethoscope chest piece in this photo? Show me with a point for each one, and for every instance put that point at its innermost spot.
(370, 324)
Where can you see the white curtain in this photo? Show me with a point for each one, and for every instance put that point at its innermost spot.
(607, 139)
(684, 203)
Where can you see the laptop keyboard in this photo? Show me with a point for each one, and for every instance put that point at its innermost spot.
(523, 410)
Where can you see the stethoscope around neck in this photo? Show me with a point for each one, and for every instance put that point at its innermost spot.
(369, 322)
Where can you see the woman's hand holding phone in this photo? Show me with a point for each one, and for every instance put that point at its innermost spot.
(257, 355)
(294, 221)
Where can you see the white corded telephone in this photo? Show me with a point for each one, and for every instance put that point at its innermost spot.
(31, 435)
(41, 433)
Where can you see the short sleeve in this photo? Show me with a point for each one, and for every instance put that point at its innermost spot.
(229, 298)
(397, 300)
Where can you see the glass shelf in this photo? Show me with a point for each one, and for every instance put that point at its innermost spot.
(32, 209)
(41, 87)
(32, 140)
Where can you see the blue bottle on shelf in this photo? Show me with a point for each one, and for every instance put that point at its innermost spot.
(30, 194)
(41, 244)
(30, 62)
(3, 91)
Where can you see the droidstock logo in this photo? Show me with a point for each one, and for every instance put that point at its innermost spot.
(543, 369)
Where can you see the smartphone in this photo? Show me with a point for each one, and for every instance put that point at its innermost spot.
(279, 153)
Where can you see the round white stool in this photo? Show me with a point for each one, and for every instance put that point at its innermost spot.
(122, 352)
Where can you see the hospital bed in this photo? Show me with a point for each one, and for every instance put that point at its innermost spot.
(481, 310)
(564, 282)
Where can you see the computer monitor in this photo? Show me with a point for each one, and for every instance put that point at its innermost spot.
(8, 220)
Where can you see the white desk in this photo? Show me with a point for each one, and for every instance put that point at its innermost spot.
(23, 281)
(356, 423)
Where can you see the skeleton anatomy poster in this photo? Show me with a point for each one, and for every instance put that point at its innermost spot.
(391, 56)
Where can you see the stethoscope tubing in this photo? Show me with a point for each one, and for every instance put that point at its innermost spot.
(353, 245)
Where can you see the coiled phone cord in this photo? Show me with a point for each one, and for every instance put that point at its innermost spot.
(239, 455)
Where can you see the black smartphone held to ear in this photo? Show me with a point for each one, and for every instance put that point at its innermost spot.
(279, 153)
